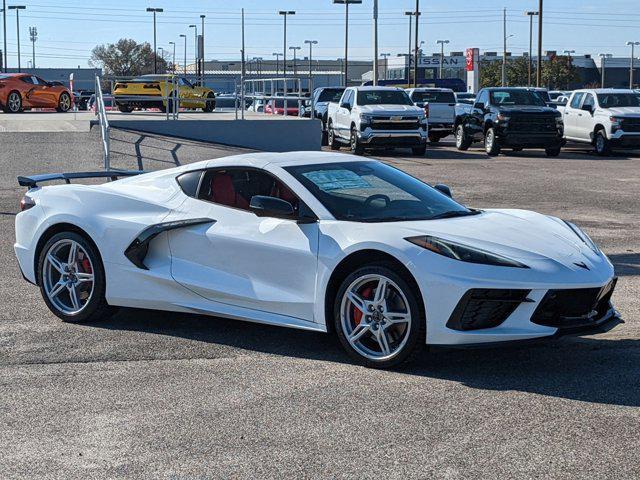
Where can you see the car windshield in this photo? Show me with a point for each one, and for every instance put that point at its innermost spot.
(330, 95)
(383, 97)
(613, 100)
(370, 191)
(517, 97)
(433, 97)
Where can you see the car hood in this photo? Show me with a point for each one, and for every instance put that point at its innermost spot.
(624, 111)
(523, 109)
(517, 234)
(391, 109)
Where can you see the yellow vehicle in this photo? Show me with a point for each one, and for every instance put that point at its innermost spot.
(129, 94)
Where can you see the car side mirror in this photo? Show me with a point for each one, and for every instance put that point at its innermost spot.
(264, 206)
(479, 106)
(587, 108)
(345, 105)
(442, 188)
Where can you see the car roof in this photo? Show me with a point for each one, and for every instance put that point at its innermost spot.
(371, 87)
(607, 90)
(430, 89)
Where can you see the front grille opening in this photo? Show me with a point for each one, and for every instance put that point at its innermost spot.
(485, 308)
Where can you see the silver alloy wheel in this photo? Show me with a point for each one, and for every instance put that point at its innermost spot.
(354, 140)
(14, 102)
(377, 327)
(459, 136)
(68, 276)
(65, 102)
(600, 143)
(488, 141)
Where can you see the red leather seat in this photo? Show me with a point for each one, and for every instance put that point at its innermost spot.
(223, 192)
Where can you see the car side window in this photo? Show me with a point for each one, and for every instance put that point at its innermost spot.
(185, 82)
(235, 187)
(588, 101)
(575, 101)
(482, 98)
(352, 98)
(27, 80)
(347, 98)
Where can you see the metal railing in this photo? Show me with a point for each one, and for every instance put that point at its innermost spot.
(268, 89)
(101, 112)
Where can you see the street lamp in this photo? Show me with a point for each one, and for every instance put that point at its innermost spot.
(277, 55)
(195, 43)
(295, 69)
(202, 17)
(173, 64)
(386, 63)
(311, 43)
(603, 57)
(632, 44)
(4, 34)
(17, 8)
(182, 35)
(442, 44)
(161, 52)
(33, 36)
(285, 14)
(530, 14)
(154, 10)
(504, 60)
(539, 69)
(410, 15)
(346, 4)
(258, 61)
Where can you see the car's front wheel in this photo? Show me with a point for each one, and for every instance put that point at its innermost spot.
(64, 102)
(356, 146)
(71, 278)
(210, 104)
(378, 317)
(14, 103)
(603, 146)
(491, 145)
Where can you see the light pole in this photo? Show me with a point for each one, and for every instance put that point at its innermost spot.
(415, 54)
(173, 64)
(295, 67)
(531, 15)
(258, 61)
(346, 4)
(442, 44)
(182, 35)
(201, 63)
(161, 52)
(17, 8)
(603, 57)
(154, 10)
(311, 43)
(568, 53)
(539, 69)
(4, 34)
(195, 45)
(632, 44)
(277, 55)
(285, 14)
(33, 36)
(375, 42)
(386, 64)
(410, 15)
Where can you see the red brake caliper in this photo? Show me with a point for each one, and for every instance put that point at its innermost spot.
(86, 265)
(357, 314)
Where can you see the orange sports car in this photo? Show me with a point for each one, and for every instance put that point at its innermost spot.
(22, 91)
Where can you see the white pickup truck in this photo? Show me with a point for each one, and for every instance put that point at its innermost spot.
(439, 105)
(376, 117)
(605, 118)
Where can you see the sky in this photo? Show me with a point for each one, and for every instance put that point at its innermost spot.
(69, 29)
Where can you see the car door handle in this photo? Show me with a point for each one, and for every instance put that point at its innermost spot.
(579, 114)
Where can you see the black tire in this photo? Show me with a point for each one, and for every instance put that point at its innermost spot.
(491, 145)
(331, 138)
(355, 146)
(210, 104)
(96, 307)
(434, 138)
(324, 138)
(171, 104)
(419, 151)
(602, 144)
(414, 337)
(64, 102)
(463, 142)
(125, 108)
(517, 149)
(552, 152)
(14, 102)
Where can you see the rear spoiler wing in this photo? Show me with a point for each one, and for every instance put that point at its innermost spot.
(33, 180)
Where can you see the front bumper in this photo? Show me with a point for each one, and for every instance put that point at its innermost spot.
(402, 138)
(530, 140)
(623, 139)
(440, 127)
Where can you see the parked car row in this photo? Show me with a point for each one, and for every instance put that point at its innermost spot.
(23, 91)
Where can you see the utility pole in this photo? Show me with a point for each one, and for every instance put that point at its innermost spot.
(603, 57)
(504, 47)
(346, 4)
(531, 14)
(17, 8)
(632, 44)
(410, 15)
(415, 55)
(155, 49)
(375, 42)
(33, 36)
(442, 44)
(242, 72)
(295, 67)
(539, 69)
(4, 35)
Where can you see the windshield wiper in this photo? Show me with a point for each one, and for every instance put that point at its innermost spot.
(455, 213)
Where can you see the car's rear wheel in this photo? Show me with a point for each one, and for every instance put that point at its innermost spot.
(210, 105)
(14, 103)
(125, 108)
(419, 151)
(552, 152)
(331, 138)
(64, 102)
(491, 145)
(378, 317)
(71, 278)
(462, 141)
(434, 138)
(602, 144)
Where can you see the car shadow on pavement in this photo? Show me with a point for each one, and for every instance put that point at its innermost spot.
(589, 369)
(626, 264)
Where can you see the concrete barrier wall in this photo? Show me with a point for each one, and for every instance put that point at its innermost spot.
(266, 135)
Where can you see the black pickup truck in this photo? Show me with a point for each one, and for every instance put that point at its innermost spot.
(514, 118)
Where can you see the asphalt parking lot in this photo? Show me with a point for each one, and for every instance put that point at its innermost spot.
(159, 395)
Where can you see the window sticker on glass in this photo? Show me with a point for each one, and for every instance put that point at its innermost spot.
(343, 179)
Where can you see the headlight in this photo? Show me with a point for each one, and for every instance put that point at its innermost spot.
(366, 119)
(463, 253)
(616, 123)
(503, 118)
(583, 236)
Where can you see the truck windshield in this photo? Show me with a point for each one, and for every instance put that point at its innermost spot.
(516, 97)
(433, 97)
(383, 97)
(330, 95)
(613, 100)
(369, 191)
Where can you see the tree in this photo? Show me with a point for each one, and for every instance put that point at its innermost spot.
(557, 73)
(126, 58)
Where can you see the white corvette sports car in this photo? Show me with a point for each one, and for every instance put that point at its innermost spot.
(318, 241)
